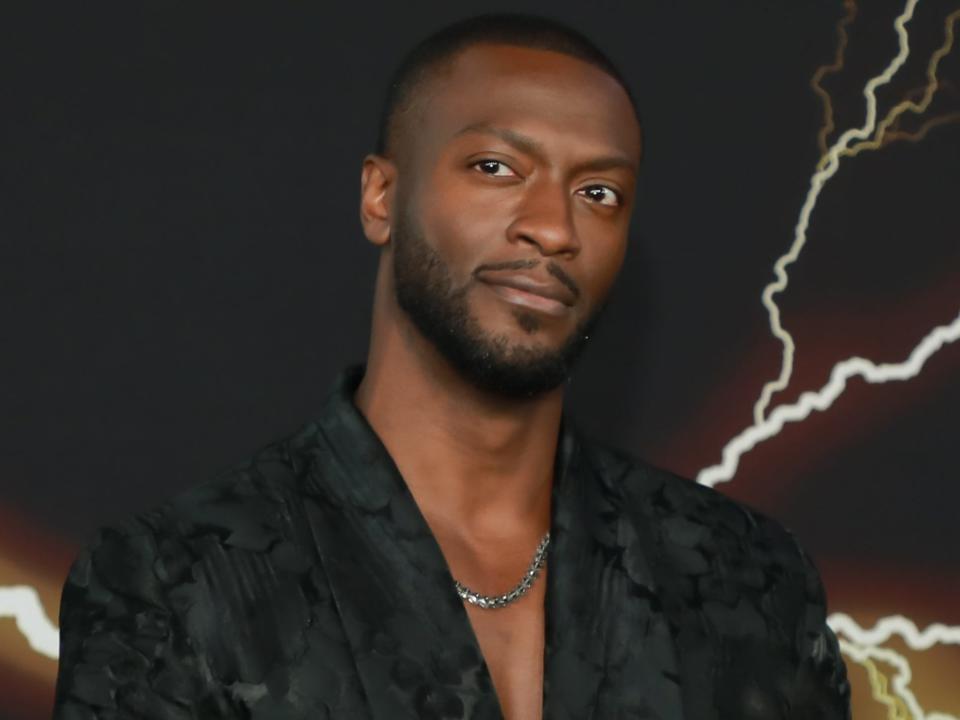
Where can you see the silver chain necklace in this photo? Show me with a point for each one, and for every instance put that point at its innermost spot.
(498, 601)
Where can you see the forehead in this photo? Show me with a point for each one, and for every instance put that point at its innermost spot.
(548, 94)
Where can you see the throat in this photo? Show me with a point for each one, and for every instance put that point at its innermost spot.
(511, 636)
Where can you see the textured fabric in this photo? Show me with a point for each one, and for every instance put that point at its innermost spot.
(305, 583)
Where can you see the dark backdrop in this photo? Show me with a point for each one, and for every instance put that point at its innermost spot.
(182, 271)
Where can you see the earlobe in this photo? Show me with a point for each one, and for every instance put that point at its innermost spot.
(377, 183)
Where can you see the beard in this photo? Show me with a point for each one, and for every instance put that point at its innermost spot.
(440, 311)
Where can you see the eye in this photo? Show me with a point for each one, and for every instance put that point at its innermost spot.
(495, 168)
(602, 195)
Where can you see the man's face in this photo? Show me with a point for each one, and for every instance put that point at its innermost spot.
(512, 211)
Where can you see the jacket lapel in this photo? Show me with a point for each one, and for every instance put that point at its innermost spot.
(610, 652)
(415, 651)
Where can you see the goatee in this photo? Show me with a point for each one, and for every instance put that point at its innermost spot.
(440, 311)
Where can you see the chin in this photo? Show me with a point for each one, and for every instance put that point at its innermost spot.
(516, 366)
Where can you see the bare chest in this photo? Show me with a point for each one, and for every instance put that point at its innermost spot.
(512, 642)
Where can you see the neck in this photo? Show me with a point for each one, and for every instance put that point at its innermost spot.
(475, 462)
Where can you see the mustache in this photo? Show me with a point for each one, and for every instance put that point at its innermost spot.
(552, 268)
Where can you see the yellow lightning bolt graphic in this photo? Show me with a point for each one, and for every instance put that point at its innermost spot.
(817, 183)
(22, 603)
(862, 646)
(917, 108)
(901, 680)
(851, 12)
(896, 707)
(921, 132)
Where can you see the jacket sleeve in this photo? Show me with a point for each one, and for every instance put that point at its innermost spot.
(821, 689)
(123, 651)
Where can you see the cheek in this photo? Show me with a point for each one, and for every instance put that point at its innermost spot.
(462, 227)
(602, 259)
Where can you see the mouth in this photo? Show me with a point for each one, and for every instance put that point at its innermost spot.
(547, 296)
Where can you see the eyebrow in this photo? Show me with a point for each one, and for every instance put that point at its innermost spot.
(528, 145)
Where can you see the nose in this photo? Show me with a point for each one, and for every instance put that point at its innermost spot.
(545, 219)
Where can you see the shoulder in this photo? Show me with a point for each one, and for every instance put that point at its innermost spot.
(669, 493)
(699, 526)
(744, 600)
(247, 515)
(146, 597)
(244, 505)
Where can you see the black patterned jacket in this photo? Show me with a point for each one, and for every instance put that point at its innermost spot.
(305, 583)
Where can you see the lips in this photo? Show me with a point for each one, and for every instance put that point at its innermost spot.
(534, 291)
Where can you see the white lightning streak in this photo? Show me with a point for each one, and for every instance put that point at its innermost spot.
(865, 642)
(900, 681)
(887, 627)
(817, 182)
(823, 398)
(23, 604)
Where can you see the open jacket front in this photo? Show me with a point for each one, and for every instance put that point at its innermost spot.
(305, 583)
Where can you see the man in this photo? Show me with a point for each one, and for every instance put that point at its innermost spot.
(441, 542)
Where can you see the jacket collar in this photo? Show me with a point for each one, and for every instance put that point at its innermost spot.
(415, 650)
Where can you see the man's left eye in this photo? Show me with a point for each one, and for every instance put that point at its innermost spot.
(494, 167)
(602, 195)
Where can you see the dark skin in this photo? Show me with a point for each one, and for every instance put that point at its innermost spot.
(518, 153)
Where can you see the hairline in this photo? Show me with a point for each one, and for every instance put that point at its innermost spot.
(416, 83)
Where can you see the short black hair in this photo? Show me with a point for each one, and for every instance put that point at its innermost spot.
(531, 31)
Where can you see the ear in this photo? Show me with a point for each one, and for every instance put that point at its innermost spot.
(377, 185)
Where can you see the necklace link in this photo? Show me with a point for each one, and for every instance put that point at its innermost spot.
(492, 602)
